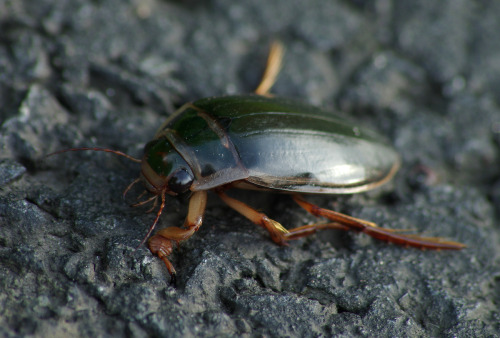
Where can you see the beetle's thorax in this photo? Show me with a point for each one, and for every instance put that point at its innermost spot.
(164, 170)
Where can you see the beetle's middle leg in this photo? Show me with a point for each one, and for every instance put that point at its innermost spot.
(276, 230)
(162, 243)
(344, 222)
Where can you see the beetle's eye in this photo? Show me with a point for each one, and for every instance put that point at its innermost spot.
(180, 181)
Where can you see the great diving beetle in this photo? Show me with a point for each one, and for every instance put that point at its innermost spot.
(264, 143)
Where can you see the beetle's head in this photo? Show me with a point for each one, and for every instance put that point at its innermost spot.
(164, 170)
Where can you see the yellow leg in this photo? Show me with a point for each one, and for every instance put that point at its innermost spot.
(276, 230)
(162, 243)
(273, 66)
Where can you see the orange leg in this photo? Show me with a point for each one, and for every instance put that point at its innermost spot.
(340, 221)
(162, 243)
(276, 230)
(345, 222)
(278, 233)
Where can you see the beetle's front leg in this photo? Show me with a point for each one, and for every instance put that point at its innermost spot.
(344, 222)
(162, 243)
(276, 230)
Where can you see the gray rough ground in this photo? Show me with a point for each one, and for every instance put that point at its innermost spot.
(107, 73)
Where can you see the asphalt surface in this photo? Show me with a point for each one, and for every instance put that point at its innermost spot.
(108, 73)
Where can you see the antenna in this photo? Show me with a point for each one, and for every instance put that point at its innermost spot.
(116, 152)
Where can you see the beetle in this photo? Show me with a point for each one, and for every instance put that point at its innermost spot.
(264, 143)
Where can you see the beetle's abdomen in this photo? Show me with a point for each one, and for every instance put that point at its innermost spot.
(316, 163)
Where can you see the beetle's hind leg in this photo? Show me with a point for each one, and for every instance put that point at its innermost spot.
(344, 222)
(339, 221)
(279, 234)
(273, 66)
